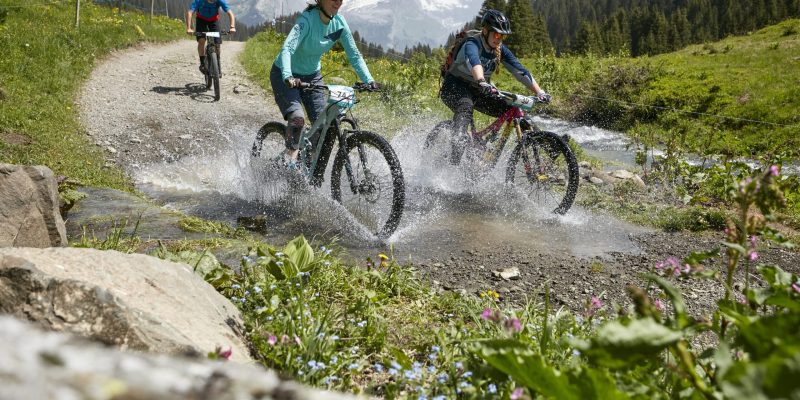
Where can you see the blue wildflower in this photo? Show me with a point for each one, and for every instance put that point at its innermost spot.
(378, 367)
(353, 366)
(236, 286)
(492, 388)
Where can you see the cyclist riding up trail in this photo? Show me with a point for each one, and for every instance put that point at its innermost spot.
(207, 12)
(315, 32)
(467, 84)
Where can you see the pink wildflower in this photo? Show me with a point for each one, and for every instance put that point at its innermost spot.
(513, 325)
(225, 354)
(596, 303)
(516, 394)
(297, 340)
(659, 305)
(753, 240)
(272, 340)
(752, 256)
(284, 339)
(796, 287)
(773, 170)
(489, 315)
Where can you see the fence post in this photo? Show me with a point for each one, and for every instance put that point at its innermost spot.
(166, 8)
(152, 4)
(77, 13)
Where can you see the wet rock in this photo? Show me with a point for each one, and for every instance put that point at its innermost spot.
(29, 208)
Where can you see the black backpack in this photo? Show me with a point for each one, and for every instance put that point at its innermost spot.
(454, 49)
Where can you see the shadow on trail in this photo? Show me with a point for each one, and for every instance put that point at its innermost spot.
(196, 91)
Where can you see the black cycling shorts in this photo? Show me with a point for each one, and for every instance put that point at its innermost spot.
(201, 25)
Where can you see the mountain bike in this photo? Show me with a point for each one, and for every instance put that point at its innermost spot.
(541, 163)
(213, 69)
(366, 177)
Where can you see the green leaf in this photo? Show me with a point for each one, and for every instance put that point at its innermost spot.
(681, 316)
(741, 250)
(620, 346)
(300, 253)
(527, 368)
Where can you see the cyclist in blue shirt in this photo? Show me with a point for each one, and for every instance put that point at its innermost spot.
(467, 85)
(315, 32)
(207, 12)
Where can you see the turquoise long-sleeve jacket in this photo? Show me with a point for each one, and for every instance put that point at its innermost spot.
(310, 38)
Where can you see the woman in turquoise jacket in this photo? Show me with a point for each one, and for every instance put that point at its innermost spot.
(315, 32)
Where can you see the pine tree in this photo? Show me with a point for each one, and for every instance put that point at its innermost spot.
(523, 25)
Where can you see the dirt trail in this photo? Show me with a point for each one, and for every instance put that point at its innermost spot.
(148, 104)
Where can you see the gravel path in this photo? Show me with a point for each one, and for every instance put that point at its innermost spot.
(148, 104)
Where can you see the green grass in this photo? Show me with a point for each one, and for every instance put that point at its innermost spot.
(46, 60)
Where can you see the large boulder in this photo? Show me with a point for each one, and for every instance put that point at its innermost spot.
(29, 208)
(48, 365)
(133, 301)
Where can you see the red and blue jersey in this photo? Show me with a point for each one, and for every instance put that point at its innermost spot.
(209, 10)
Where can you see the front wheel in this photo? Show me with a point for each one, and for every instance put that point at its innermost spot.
(367, 180)
(213, 71)
(544, 166)
(270, 142)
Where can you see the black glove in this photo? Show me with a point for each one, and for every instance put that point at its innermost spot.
(486, 88)
(374, 86)
(293, 82)
(544, 97)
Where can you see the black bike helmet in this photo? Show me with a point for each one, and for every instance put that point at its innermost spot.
(496, 21)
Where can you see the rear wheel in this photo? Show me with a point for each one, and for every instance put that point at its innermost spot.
(376, 194)
(544, 167)
(213, 71)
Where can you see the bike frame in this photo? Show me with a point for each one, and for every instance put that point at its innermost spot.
(492, 133)
(314, 165)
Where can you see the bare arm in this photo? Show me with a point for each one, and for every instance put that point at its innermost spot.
(233, 21)
(477, 73)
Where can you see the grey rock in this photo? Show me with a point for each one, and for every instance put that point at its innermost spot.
(132, 301)
(48, 365)
(29, 208)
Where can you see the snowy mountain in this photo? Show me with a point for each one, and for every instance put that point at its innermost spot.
(390, 23)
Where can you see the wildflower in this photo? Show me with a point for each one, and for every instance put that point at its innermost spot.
(467, 374)
(246, 293)
(435, 349)
(334, 359)
(270, 317)
(272, 287)
(297, 340)
(422, 397)
(272, 340)
(773, 170)
(279, 254)
(576, 353)
(312, 364)
(334, 337)
(235, 286)
(279, 263)
(458, 365)
(234, 298)
(362, 324)
(513, 325)
(257, 289)
(409, 374)
(492, 388)
(752, 256)
(432, 356)
(378, 367)
(395, 365)
(596, 303)
(284, 339)
(442, 378)
(578, 319)
(329, 379)
(431, 369)
(659, 305)
(516, 394)
(489, 315)
(353, 366)
(796, 287)
(326, 263)
(439, 397)
(392, 371)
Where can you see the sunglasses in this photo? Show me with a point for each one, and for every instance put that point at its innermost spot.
(498, 35)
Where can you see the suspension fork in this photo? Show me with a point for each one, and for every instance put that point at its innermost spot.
(526, 161)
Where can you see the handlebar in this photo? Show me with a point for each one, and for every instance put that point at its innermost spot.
(358, 87)
(202, 34)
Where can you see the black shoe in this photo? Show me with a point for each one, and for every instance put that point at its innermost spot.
(203, 69)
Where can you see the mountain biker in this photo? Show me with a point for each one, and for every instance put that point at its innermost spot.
(207, 12)
(467, 84)
(316, 30)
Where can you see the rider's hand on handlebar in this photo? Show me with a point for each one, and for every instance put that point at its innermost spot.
(544, 97)
(232, 30)
(293, 82)
(487, 88)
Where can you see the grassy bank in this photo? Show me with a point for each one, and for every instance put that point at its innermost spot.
(46, 61)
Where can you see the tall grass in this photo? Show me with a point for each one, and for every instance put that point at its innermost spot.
(45, 61)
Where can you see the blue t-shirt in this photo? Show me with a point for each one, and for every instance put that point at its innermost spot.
(310, 38)
(209, 11)
(476, 51)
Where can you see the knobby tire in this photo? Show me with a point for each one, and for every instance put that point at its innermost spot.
(547, 154)
(214, 72)
(340, 183)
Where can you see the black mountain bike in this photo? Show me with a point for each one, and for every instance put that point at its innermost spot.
(213, 69)
(366, 177)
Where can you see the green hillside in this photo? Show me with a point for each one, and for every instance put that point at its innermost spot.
(46, 60)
